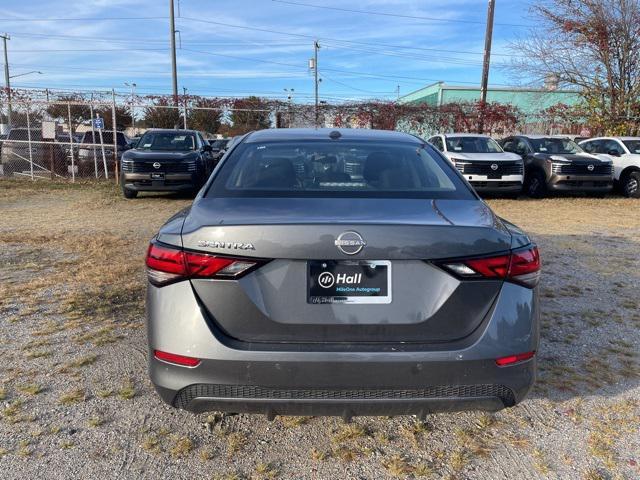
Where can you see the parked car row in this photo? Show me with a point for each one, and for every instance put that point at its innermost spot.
(539, 164)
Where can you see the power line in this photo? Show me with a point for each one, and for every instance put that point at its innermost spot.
(78, 19)
(397, 15)
(321, 38)
(350, 72)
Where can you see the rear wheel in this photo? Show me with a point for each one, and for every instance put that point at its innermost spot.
(536, 186)
(630, 184)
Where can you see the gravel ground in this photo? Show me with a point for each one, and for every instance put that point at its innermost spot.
(75, 401)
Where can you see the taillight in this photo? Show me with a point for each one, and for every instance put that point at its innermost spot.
(176, 359)
(167, 264)
(513, 359)
(519, 266)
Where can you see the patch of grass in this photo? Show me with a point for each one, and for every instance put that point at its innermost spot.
(67, 444)
(12, 409)
(182, 446)
(3, 394)
(32, 354)
(266, 470)
(206, 454)
(84, 361)
(127, 391)
(4, 451)
(458, 460)
(73, 396)
(235, 442)
(95, 421)
(151, 444)
(423, 470)
(397, 466)
(24, 450)
(318, 455)
(346, 454)
(293, 422)
(105, 393)
(348, 432)
(30, 389)
(540, 463)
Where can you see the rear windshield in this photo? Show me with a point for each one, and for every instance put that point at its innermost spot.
(554, 145)
(472, 145)
(337, 169)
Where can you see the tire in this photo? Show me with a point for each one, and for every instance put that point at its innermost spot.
(536, 185)
(129, 194)
(630, 184)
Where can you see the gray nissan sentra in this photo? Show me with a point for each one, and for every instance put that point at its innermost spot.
(340, 272)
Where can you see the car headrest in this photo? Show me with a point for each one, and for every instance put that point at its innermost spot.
(375, 164)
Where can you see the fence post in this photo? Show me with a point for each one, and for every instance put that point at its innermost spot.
(185, 112)
(115, 136)
(104, 157)
(73, 163)
(29, 141)
(93, 138)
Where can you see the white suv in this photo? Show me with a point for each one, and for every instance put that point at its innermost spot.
(625, 154)
(482, 161)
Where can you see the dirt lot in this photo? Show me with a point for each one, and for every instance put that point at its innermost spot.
(75, 401)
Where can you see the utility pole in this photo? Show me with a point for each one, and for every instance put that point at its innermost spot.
(174, 68)
(7, 84)
(485, 64)
(398, 92)
(316, 47)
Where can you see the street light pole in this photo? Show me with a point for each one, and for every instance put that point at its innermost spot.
(485, 64)
(7, 84)
(290, 98)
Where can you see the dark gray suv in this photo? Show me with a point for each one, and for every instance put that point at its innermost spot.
(340, 272)
(559, 164)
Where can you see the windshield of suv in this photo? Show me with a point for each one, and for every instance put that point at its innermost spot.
(554, 145)
(632, 145)
(168, 141)
(472, 145)
(314, 168)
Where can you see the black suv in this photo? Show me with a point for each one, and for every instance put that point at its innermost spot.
(166, 160)
(559, 164)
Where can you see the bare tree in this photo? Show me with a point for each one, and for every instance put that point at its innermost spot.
(593, 45)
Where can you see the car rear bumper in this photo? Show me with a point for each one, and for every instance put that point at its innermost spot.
(347, 380)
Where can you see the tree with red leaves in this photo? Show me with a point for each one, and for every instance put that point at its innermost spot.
(591, 45)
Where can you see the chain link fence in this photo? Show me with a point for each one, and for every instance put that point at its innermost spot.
(70, 136)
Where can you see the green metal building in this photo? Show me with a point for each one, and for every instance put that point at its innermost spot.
(527, 100)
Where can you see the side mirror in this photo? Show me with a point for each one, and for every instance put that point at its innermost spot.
(126, 146)
(207, 148)
(520, 151)
(614, 153)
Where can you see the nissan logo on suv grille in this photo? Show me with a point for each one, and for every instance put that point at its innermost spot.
(494, 166)
(156, 165)
(590, 168)
(350, 242)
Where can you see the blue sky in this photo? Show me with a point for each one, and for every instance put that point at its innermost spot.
(243, 47)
